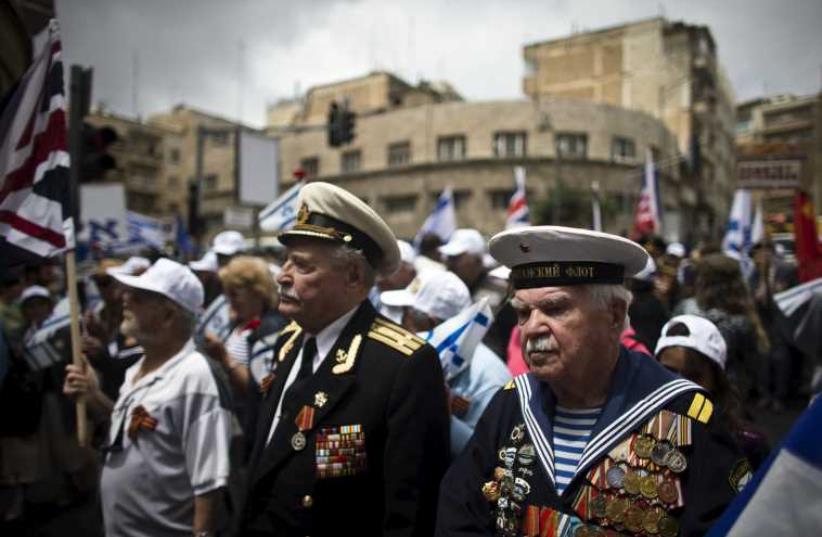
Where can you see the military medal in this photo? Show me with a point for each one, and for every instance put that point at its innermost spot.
(518, 433)
(521, 489)
(668, 526)
(491, 491)
(643, 446)
(615, 509)
(304, 422)
(660, 451)
(320, 399)
(667, 492)
(647, 486)
(298, 441)
(631, 482)
(615, 477)
(499, 473)
(598, 506)
(509, 456)
(526, 454)
(676, 461)
(650, 523)
(633, 518)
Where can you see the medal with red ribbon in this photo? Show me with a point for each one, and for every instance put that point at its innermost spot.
(140, 419)
(304, 422)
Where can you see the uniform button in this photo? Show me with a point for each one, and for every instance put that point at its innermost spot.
(308, 501)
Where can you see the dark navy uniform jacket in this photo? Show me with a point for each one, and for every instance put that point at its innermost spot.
(377, 447)
(640, 390)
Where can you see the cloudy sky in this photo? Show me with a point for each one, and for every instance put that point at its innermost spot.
(233, 57)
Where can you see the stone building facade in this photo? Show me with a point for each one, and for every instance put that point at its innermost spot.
(669, 70)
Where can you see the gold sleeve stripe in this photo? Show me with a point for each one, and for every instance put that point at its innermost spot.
(707, 410)
(390, 343)
(286, 348)
(400, 331)
(696, 405)
(407, 339)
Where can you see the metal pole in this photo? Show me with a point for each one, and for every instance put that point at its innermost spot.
(199, 163)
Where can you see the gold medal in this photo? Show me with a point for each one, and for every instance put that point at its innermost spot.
(644, 446)
(631, 482)
(598, 506)
(615, 509)
(668, 526)
(650, 523)
(491, 491)
(499, 473)
(647, 486)
(633, 519)
(676, 461)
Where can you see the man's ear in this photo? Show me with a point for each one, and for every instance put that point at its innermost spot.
(618, 310)
(353, 275)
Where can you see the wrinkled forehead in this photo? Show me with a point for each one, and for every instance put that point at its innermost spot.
(529, 298)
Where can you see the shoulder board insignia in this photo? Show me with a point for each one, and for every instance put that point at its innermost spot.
(289, 343)
(701, 408)
(509, 385)
(395, 336)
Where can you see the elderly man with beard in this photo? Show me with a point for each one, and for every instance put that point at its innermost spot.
(353, 435)
(595, 439)
(167, 459)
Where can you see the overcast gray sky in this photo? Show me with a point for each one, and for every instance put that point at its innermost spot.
(233, 57)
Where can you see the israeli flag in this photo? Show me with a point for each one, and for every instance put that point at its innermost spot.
(783, 497)
(456, 339)
(281, 213)
(442, 221)
(737, 240)
(146, 230)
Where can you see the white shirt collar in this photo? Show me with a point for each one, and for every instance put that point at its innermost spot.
(328, 336)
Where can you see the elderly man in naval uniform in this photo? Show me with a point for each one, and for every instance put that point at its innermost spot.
(595, 439)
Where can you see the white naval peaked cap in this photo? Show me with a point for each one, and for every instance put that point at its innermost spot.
(228, 243)
(170, 279)
(407, 253)
(703, 337)
(550, 256)
(328, 212)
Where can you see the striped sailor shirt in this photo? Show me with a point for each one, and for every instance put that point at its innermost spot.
(572, 430)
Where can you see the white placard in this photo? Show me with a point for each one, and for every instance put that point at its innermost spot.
(258, 175)
(103, 215)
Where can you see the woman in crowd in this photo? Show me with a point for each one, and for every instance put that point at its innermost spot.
(693, 347)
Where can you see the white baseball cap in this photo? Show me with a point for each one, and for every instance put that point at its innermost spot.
(132, 266)
(441, 294)
(228, 243)
(170, 279)
(703, 337)
(464, 241)
(208, 263)
(647, 273)
(407, 253)
(676, 249)
(34, 291)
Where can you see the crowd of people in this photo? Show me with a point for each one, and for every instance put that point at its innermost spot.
(298, 391)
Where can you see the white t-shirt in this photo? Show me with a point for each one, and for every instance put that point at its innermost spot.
(149, 482)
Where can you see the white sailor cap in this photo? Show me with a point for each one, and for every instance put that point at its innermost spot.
(330, 213)
(551, 256)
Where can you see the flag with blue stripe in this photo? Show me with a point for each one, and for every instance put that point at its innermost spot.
(442, 221)
(456, 339)
(784, 497)
(281, 213)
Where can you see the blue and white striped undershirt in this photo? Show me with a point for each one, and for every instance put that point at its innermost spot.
(572, 430)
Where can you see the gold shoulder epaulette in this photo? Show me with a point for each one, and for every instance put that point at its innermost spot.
(395, 336)
(701, 408)
(509, 385)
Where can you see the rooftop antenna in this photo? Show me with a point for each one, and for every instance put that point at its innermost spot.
(240, 73)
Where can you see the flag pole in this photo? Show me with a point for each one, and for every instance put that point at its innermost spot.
(76, 350)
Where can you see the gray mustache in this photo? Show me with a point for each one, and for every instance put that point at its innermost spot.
(539, 344)
(289, 293)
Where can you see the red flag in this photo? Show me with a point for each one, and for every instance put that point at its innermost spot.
(34, 158)
(808, 250)
(647, 219)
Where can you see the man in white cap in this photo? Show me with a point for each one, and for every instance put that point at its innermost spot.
(167, 460)
(442, 296)
(353, 435)
(402, 278)
(464, 255)
(595, 438)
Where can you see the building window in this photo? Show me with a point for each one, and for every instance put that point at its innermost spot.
(451, 147)
(500, 198)
(174, 155)
(219, 138)
(210, 182)
(399, 154)
(572, 145)
(510, 144)
(173, 182)
(351, 161)
(400, 204)
(311, 166)
(622, 149)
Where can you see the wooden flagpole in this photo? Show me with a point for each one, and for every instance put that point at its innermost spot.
(76, 349)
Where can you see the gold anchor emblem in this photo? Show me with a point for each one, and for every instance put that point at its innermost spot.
(302, 214)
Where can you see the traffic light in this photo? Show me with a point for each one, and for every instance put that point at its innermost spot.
(340, 126)
(95, 160)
